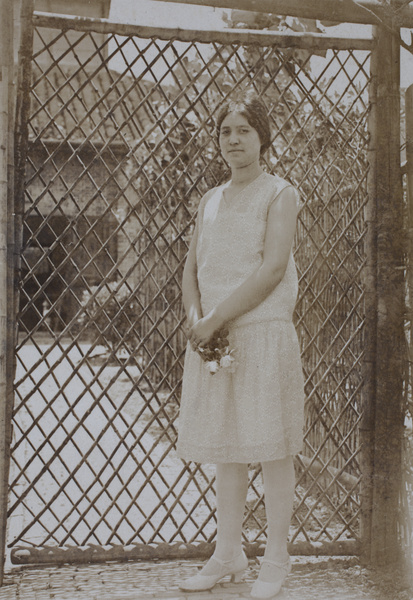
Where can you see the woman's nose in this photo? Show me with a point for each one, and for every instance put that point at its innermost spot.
(233, 138)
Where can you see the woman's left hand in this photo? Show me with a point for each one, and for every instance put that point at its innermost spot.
(203, 330)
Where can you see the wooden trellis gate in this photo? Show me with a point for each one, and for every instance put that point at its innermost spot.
(120, 149)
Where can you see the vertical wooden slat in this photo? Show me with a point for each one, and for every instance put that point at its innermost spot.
(388, 327)
(8, 244)
(6, 103)
(409, 173)
(21, 128)
(3, 295)
(409, 160)
(370, 307)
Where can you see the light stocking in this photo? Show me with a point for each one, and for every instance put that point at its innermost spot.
(231, 487)
(279, 486)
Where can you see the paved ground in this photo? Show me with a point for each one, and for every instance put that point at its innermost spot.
(311, 579)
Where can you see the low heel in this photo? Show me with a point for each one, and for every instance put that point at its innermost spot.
(201, 583)
(237, 577)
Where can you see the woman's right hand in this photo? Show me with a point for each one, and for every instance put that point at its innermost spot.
(192, 318)
(187, 329)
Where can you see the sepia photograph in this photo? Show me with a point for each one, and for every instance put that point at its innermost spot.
(206, 365)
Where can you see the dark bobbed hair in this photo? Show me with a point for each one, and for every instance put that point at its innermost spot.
(251, 107)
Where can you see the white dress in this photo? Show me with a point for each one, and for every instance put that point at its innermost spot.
(254, 414)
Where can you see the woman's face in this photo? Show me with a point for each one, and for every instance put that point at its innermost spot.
(239, 142)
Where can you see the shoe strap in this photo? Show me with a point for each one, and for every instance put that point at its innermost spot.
(280, 565)
(224, 563)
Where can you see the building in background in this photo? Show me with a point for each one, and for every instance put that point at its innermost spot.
(83, 124)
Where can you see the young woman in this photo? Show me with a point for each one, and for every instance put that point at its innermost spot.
(240, 276)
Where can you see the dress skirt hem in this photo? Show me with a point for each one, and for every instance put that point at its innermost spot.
(233, 455)
(252, 415)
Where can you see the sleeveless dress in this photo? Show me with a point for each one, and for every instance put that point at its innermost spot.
(255, 413)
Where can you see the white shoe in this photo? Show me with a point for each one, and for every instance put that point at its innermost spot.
(235, 567)
(266, 589)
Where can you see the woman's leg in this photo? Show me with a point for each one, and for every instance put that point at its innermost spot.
(279, 486)
(232, 484)
(231, 488)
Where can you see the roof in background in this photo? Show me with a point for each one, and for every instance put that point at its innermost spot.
(79, 106)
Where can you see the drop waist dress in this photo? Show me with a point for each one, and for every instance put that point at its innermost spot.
(255, 413)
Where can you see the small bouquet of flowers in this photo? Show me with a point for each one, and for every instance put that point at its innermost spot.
(217, 354)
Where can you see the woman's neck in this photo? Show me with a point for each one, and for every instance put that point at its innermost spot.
(244, 175)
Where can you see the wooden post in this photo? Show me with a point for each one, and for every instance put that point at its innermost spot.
(409, 161)
(21, 128)
(385, 346)
(6, 242)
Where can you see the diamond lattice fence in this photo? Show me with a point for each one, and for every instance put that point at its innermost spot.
(121, 148)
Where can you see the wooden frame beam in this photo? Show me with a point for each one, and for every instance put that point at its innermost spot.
(367, 12)
(311, 41)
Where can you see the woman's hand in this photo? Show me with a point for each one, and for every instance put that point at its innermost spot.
(203, 330)
(189, 323)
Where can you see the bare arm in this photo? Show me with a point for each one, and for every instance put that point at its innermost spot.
(281, 224)
(190, 291)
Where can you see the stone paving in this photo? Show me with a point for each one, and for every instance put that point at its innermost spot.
(311, 579)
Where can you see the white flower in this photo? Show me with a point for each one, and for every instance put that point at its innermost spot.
(212, 366)
(226, 361)
(229, 363)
